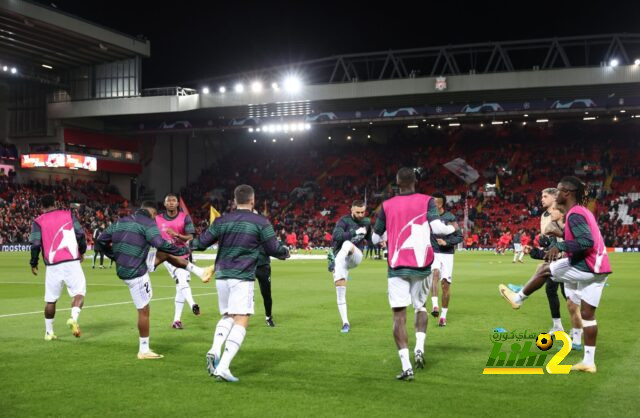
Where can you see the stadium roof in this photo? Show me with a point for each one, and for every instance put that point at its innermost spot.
(32, 35)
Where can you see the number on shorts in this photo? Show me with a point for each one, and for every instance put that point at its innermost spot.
(146, 287)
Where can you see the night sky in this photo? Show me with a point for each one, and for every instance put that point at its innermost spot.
(193, 40)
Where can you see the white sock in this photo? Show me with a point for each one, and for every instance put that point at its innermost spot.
(576, 335)
(515, 256)
(404, 359)
(188, 296)
(223, 328)
(520, 297)
(144, 345)
(434, 301)
(589, 355)
(48, 325)
(420, 337)
(75, 312)
(192, 268)
(234, 341)
(557, 323)
(341, 292)
(443, 314)
(178, 312)
(521, 255)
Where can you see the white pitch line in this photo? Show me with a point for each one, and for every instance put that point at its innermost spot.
(100, 284)
(97, 306)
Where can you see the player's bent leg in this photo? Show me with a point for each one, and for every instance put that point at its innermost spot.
(536, 282)
(205, 274)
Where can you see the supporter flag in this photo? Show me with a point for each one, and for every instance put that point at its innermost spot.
(183, 207)
(213, 214)
(497, 183)
(460, 168)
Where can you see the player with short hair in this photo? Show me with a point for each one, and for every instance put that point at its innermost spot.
(348, 241)
(442, 267)
(409, 219)
(240, 234)
(177, 227)
(129, 243)
(584, 272)
(60, 237)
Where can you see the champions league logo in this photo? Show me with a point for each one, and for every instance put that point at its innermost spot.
(65, 238)
(416, 237)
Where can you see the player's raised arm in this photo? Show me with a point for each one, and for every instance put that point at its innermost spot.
(379, 228)
(207, 238)
(437, 226)
(153, 237)
(342, 232)
(36, 245)
(271, 245)
(80, 236)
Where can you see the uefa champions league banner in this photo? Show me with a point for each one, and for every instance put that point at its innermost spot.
(15, 247)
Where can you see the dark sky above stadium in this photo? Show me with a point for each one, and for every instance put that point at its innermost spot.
(191, 40)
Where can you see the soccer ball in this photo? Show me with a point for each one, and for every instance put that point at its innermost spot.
(544, 341)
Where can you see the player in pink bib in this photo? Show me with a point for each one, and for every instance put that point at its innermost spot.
(61, 239)
(176, 227)
(584, 272)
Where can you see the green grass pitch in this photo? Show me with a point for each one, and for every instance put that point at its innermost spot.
(305, 366)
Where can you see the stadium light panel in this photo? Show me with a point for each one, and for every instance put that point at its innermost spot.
(275, 86)
(526, 116)
(623, 111)
(14, 70)
(239, 88)
(329, 138)
(273, 140)
(222, 89)
(524, 123)
(412, 126)
(542, 120)
(614, 62)
(482, 125)
(497, 122)
(589, 118)
(5, 68)
(291, 139)
(637, 61)
(307, 126)
(292, 84)
(47, 66)
(454, 124)
(256, 87)
(254, 141)
(251, 130)
(258, 129)
(205, 90)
